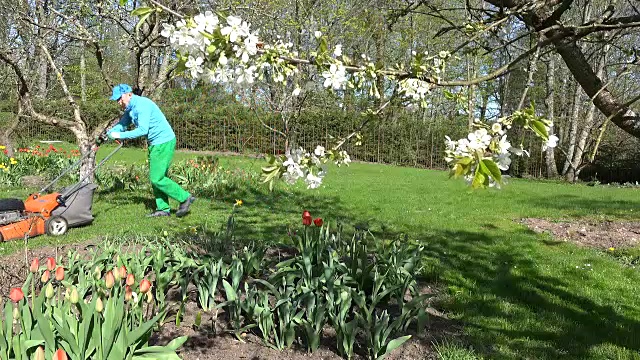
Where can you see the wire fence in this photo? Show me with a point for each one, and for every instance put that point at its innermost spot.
(413, 144)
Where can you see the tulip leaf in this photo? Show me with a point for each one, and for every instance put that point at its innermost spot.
(230, 293)
(394, 344)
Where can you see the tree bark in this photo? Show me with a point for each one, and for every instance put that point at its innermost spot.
(564, 40)
(83, 76)
(587, 128)
(550, 160)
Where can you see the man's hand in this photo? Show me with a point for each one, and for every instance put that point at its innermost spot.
(114, 135)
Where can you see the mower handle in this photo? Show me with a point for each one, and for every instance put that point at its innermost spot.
(81, 181)
(94, 148)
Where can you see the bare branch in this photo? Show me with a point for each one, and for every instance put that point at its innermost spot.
(63, 85)
(25, 97)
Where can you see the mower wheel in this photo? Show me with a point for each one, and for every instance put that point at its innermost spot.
(56, 226)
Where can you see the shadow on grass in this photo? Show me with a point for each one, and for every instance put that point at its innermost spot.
(510, 306)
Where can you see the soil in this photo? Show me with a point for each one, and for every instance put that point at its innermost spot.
(204, 343)
(597, 235)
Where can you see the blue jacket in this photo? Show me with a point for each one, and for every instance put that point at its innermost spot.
(148, 120)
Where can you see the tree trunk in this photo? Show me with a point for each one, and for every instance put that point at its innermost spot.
(564, 40)
(573, 132)
(587, 127)
(472, 73)
(88, 165)
(5, 136)
(550, 160)
(83, 76)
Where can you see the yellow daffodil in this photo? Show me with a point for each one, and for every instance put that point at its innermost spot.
(611, 249)
(2, 147)
(13, 161)
(238, 202)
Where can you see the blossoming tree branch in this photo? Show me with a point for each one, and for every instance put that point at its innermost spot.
(224, 49)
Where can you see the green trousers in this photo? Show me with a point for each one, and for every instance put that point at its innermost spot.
(160, 157)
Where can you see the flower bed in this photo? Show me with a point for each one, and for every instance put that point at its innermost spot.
(355, 295)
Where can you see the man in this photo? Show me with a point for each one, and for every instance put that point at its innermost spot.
(149, 121)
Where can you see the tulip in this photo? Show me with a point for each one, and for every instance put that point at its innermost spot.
(130, 279)
(97, 273)
(35, 264)
(306, 221)
(306, 214)
(116, 273)
(51, 263)
(145, 285)
(45, 276)
(60, 355)
(60, 273)
(317, 222)
(74, 297)
(99, 305)
(109, 279)
(16, 295)
(48, 291)
(128, 293)
(123, 272)
(39, 355)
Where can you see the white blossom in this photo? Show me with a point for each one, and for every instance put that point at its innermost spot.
(245, 74)
(317, 34)
(248, 48)
(479, 139)
(335, 77)
(207, 22)
(503, 160)
(195, 66)
(551, 143)
(414, 88)
(313, 182)
(221, 75)
(518, 151)
(338, 51)
(168, 30)
(504, 145)
(236, 28)
(319, 151)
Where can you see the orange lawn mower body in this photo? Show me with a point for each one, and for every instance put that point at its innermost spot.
(53, 213)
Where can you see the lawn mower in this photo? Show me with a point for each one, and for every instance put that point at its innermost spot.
(52, 213)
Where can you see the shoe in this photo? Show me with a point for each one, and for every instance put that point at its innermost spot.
(184, 207)
(159, 213)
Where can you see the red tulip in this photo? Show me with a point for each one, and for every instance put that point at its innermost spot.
(45, 276)
(306, 220)
(51, 263)
(317, 222)
(109, 279)
(145, 285)
(60, 355)
(130, 279)
(35, 265)
(16, 295)
(306, 214)
(60, 273)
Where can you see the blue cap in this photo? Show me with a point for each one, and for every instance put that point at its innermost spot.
(118, 90)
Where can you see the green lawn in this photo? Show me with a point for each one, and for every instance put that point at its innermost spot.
(519, 296)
